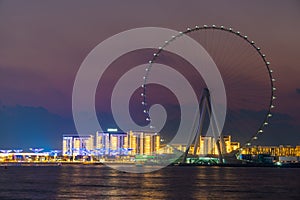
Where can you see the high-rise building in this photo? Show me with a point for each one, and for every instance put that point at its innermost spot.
(102, 142)
(206, 146)
(74, 145)
(142, 143)
(110, 142)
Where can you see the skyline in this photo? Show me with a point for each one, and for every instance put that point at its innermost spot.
(43, 45)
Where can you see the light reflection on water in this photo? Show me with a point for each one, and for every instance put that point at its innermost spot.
(100, 182)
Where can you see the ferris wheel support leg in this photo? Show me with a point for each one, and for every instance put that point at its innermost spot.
(205, 106)
(185, 154)
(191, 138)
(215, 128)
(200, 127)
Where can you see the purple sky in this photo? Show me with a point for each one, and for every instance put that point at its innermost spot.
(42, 44)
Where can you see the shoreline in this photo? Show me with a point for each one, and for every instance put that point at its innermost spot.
(269, 165)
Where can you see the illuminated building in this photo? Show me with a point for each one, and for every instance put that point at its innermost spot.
(18, 155)
(229, 145)
(297, 151)
(207, 146)
(235, 146)
(110, 142)
(102, 142)
(280, 150)
(142, 143)
(74, 145)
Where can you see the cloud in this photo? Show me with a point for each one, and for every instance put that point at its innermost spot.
(298, 90)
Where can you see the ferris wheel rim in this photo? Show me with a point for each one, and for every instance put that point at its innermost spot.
(272, 96)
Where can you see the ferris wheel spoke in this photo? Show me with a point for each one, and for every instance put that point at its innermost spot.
(245, 71)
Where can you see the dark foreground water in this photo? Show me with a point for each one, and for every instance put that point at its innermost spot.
(100, 182)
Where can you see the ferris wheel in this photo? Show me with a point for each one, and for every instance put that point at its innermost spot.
(245, 70)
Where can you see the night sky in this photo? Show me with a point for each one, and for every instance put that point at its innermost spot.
(43, 43)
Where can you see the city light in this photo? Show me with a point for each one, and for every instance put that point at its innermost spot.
(138, 146)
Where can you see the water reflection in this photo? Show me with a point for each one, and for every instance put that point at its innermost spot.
(101, 182)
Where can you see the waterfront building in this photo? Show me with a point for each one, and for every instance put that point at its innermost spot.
(142, 143)
(207, 146)
(74, 145)
(297, 151)
(24, 156)
(110, 142)
(280, 150)
(234, 146)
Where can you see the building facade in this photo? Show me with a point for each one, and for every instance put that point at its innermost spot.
(142, 143)
(74, 145)
(206, 146)
(280, 150)
(110, 143)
